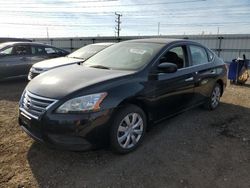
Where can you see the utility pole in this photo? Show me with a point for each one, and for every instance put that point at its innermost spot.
(159, 24)
(47, 29)
(218, 30)
(118, 21)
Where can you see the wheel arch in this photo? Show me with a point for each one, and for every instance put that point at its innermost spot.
(220, 82)
(140, 104)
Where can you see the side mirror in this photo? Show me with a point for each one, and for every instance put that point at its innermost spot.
(167, 67)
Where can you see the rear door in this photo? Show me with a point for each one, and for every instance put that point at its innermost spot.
(40, 53)
(174, 91)
(204, 71)
(54, 52)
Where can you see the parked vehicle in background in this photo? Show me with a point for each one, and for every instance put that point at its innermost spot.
(77, 56)
(16, 58)
(118, 92)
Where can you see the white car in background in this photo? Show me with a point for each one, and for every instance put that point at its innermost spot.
(77, 56)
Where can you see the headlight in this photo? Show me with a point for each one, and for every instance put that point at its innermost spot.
(82, 104)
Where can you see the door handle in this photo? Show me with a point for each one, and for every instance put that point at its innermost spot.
(212, 71)
(189, 79)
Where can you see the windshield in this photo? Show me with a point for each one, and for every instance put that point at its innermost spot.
(125, 56)
(87, 51)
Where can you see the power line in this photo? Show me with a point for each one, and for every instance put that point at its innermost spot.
(57, 2)
(56, 25)
(134, 25)
(132, 16)
(128, 16)
(189, 9)
(127, 5)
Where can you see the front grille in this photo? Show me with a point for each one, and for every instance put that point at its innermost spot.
(34, 105)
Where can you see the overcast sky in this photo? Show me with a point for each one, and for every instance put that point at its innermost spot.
(71, 18)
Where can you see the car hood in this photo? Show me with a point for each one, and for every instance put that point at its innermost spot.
(56, 62)
(60, 82)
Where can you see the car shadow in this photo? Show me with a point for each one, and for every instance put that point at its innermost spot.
(246, 85)
(182, 151)
(11, 90)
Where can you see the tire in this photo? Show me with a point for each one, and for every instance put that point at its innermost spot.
(214, 100)
(128, 129)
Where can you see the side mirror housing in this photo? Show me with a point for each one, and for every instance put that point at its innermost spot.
(167, 67)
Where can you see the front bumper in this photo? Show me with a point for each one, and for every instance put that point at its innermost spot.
(74, 132)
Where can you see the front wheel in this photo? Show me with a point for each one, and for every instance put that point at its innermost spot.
(128, 129)
(214, 99)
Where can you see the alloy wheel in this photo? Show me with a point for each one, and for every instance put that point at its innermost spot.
(215, 99)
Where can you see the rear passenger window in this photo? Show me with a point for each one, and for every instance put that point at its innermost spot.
(42, 50)
(50, 50)
(199, 55)
(59, 51)
(38, 50)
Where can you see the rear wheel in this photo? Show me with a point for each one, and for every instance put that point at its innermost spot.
(128, 129)
(214, 99)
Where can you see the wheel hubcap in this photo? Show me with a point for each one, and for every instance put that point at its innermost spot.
(130, 130)
(215, 97)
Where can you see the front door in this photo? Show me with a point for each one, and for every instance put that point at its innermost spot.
(14, 61)
(174, 91)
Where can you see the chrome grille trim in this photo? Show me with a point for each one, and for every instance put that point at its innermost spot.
(39, 97)
(34, 105)
(28, 114)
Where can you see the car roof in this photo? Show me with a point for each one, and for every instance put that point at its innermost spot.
(103, 44)
(12, 43)
(158, 40)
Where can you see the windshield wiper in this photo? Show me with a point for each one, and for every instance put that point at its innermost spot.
(99, 67)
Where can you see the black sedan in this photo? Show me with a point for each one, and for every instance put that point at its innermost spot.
(115, 95)
(16, 58)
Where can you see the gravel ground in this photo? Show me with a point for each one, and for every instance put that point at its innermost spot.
(195, 149)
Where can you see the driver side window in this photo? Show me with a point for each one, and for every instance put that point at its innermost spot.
(175, 55)
(21, 50)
